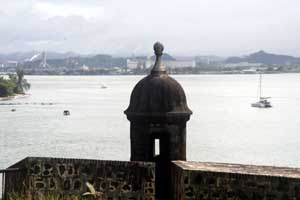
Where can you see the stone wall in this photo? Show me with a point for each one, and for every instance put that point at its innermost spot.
(213, 181)
(65, 179)
(40, 178)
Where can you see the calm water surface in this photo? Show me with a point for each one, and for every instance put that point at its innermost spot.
(223, 127)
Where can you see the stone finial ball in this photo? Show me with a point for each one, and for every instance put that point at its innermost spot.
(158, 48)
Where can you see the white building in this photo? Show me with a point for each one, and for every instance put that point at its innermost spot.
(242, 64)
(180, 63)
(173, 63)
(132, 64)
(85, 68)
(11, 63)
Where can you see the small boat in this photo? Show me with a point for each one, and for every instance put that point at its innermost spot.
(263, 101)
(66, 112)
(13, 110)
(103, 86)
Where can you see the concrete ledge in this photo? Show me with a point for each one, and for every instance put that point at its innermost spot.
(240, 169)
(220, 181)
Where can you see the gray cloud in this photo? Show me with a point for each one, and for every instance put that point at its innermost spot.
(187, 27)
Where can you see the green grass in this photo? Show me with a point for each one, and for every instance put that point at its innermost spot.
(41, 196)
(52, 195)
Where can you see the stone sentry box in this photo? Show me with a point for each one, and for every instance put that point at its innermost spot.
(158, 114)
(217, 181)
(41, 178)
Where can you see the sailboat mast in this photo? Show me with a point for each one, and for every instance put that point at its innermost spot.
(260, 85)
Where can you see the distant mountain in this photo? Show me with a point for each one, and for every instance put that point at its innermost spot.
(165, 56)
(97, 61)
(17, 56)
(56, 55)
(23, 56)
(211, 58)
(265, 58)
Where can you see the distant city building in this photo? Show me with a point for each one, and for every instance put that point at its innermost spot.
(135, 63)
(209, 60)
(173, 63)
(44, 63)
(11, 63)
(132, 64)
(42, 57)
(251, 70)
(242, 64)
(180, 63)
(85, 68)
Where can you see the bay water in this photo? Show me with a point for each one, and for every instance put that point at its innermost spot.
(223, 128)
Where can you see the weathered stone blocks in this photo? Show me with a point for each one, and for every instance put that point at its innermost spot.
(68, 177)
(213, 181)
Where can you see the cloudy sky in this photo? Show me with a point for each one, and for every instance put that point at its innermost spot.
(125, 27)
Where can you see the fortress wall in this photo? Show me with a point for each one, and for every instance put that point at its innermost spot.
(215, 181)
(66, 179)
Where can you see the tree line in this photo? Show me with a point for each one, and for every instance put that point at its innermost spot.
(14, 84)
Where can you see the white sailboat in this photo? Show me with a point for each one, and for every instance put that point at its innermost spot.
(263, 101)
(103, 86)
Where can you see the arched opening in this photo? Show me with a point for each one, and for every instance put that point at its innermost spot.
(161, 157)
(156, 147)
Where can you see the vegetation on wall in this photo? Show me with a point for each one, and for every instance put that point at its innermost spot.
(49, 196)
(53, 196)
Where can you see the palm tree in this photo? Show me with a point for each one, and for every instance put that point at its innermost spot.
(21, 84)
(92, 192)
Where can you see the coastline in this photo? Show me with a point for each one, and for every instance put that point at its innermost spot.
(17, 96)
(170, 72)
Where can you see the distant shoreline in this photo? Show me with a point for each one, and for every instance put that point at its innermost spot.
(204, 73)
(17, 96)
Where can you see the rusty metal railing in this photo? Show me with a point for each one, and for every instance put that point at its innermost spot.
(4, 172)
